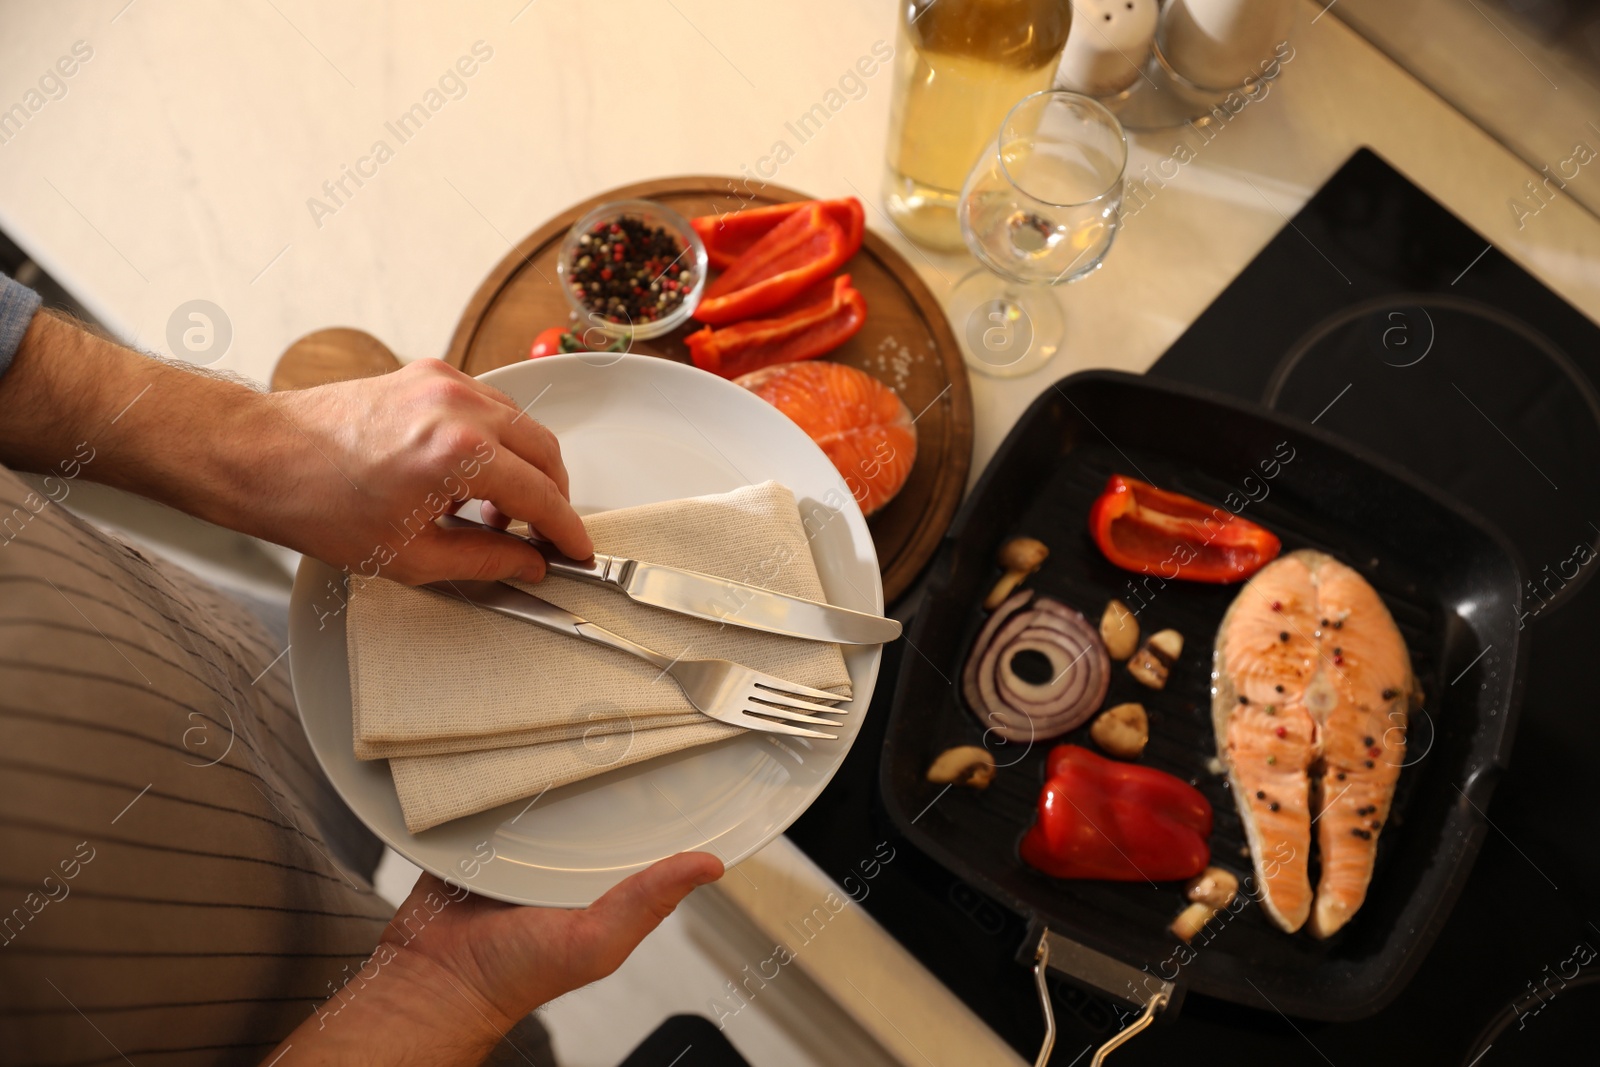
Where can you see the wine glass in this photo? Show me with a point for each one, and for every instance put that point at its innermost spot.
(1040, 208)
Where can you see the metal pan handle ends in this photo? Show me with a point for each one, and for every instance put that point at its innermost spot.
(1100, 972)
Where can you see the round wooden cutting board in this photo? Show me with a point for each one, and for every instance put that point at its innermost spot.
(906, 343)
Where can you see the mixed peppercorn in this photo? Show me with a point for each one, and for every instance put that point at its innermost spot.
(628, 271)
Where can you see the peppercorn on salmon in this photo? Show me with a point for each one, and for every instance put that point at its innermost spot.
(1311, 688)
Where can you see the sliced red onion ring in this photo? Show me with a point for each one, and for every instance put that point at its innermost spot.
(1023, 711)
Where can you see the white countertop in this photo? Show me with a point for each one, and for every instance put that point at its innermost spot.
(179, 163)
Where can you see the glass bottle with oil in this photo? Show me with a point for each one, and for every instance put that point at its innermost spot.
(960, 65)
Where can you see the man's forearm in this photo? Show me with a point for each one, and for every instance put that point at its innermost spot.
(410, 1014)
(352, 473)
(159, 430)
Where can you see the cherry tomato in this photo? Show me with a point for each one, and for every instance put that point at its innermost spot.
(549, 343)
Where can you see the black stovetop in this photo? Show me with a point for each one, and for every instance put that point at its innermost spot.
(1382, 317)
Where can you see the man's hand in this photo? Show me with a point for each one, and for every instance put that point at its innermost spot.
(454, 971)
(511, 959)
(353, 474)
(383, 457)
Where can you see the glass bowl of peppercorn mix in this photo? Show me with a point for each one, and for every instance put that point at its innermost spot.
(632, 268)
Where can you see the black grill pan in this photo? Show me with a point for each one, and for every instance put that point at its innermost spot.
(1449, 579)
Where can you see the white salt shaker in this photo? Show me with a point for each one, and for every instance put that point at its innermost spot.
(1218, 44)
(1107, 45)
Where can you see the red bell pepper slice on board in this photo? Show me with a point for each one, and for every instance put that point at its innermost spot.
(820, 321)
(1105, 819)
(729, 235)
(1154, 531)
(794, 255)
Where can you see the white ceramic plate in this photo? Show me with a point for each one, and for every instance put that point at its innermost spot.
(633, 431)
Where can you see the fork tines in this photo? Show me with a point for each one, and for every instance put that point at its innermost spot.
(779, 700)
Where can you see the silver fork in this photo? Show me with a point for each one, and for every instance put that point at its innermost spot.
(726, 691)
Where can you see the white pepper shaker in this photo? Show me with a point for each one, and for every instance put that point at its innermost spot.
(1218, 44)
(1107, 45)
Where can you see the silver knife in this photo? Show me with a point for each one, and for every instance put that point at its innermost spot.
(706, 596)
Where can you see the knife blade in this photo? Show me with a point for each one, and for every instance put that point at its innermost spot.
(705, 596)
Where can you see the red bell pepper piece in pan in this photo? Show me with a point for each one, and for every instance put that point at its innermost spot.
(819, 322)
(1105, 819)
(794, 255)
(1153, 531)
(729, 235)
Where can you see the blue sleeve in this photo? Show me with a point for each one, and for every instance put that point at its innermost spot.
(17, 305)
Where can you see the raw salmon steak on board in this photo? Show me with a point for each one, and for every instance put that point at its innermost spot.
(862, 424)
(1312, 686)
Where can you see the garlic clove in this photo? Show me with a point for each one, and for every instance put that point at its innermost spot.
(1122, 731)
(967, 765)
(1119, 629)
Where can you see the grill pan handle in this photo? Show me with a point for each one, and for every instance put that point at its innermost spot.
(1104, 974)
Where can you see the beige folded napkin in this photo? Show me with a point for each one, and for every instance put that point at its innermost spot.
(474, 709)
(600, 726)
